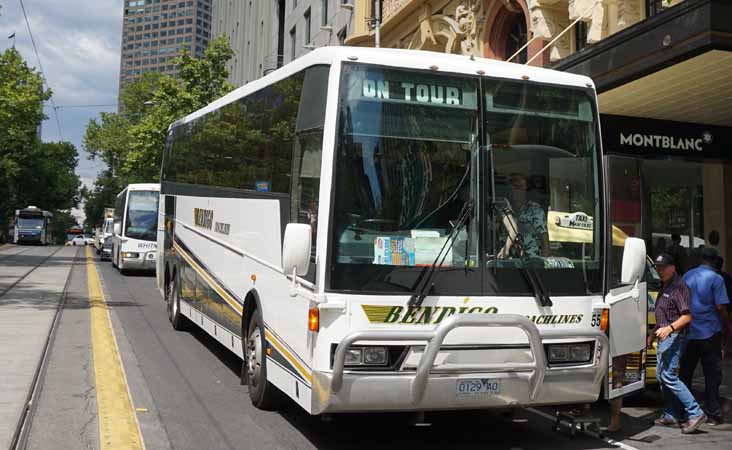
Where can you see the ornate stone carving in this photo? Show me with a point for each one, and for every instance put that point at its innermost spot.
(629, 12)
(458, 34)
(548, 19)
(389, 7)
(592, 12)
(466, 15)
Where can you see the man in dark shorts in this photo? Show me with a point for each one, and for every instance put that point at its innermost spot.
(673, 315)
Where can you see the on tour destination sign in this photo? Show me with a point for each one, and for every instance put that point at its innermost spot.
(429, 92)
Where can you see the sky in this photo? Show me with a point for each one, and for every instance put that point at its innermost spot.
(78, 43)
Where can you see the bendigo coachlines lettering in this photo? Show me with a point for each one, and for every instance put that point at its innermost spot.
(203, 217)
(433, 315)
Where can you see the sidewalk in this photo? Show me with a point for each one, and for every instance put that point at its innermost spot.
(26, 315)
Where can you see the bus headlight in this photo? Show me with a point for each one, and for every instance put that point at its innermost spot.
(569, 353)
(130, 255)
(354, 357)
(366, 356)
(374, 356)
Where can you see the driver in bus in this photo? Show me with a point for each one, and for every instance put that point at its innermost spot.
(523, 216)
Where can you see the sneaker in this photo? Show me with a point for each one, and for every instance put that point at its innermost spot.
(664, 422)
(693, 424)
(714, 420)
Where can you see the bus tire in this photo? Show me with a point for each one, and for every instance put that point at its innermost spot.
(263, 394)
(177, 320)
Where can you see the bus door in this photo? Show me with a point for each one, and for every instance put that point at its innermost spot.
(628, 303)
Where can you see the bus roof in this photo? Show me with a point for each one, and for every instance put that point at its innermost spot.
(409, 59)
(142, 187)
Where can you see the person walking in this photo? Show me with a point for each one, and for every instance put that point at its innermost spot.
(709, 302)
(673, 315)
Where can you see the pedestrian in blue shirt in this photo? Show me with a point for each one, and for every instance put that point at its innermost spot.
(710, 322)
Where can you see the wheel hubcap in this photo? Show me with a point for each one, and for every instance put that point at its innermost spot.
(254, 356)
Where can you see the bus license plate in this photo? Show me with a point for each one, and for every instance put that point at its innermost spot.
(476, 387)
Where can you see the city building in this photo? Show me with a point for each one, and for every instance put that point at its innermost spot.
(154, 32)
(662, 69)
(265, 34)
(250, 27)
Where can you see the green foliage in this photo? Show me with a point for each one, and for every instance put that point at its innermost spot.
(62, 221)
(47, 178)
(102, 196)
(31, 172)
(131, 142)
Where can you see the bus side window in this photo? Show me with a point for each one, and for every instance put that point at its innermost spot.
(306, 155)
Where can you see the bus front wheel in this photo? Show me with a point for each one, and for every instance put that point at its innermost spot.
(263, 394)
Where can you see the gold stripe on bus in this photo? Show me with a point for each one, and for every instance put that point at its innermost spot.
(214, 284)
(288, 356)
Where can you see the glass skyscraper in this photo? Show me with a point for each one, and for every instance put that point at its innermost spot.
(154, 32)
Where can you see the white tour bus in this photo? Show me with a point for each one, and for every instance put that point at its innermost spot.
(379, 229)
(135, 227)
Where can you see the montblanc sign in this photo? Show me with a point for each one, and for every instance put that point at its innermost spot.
(650, 137)
(664, 142)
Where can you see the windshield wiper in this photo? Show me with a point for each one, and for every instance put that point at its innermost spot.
(532, 277)
(424, 282)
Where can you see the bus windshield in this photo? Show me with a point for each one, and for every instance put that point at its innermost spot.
(414, 149)
(30, 223)
(142, 215)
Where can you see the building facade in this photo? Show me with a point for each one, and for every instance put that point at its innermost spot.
(661, 68)
(154, 32)
(251, 31)
(266, 34)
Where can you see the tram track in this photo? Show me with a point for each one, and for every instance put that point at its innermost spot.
(4, 255)
(32, 268)
(22, 430)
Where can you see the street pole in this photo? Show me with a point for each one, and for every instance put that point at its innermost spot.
(378, 23)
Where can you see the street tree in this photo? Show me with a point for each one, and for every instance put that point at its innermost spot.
(21, 112)
(131, 142)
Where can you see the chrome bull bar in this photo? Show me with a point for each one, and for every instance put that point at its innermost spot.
(435, 338)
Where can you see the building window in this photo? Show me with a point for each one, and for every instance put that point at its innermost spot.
(307, 26)
(324, 15)
(293, 42)
(580, 36)
(654, 7)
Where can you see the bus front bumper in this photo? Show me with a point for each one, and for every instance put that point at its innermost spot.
(138, 260)
(430, 388)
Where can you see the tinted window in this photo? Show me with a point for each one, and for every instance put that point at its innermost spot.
(244, 145)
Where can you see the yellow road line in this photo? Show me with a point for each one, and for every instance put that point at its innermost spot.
(118, 427)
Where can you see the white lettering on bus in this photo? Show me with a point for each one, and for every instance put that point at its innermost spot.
(453, 96)
(376, 89)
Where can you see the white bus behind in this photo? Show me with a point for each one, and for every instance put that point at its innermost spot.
(135, 227)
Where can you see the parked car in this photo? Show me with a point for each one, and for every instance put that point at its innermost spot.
(79, 240)
(89, 240)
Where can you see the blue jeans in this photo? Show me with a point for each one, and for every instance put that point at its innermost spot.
(677, 400)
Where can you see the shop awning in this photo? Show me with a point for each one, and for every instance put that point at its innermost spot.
(676, 65)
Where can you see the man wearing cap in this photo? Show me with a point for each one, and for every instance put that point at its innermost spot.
(673, 315)
(709, 307)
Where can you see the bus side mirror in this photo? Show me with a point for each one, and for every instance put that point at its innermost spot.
(634, 260)
(117, 228)
(296, 249)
